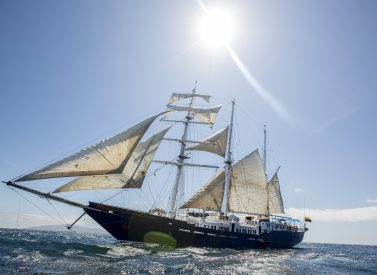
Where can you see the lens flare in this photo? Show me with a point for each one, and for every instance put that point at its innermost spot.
(216, 28)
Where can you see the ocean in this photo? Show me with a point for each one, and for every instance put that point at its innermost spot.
(28, 251)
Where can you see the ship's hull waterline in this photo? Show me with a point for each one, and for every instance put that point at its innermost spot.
(131, 225)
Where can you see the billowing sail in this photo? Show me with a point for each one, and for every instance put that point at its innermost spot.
(106, 157)
(177, 96)
(215, 143)
(207, 115)
(248, 189)
(132, 175)
(275, 199)
(210, 196)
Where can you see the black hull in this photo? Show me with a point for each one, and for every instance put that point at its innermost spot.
(130, 225)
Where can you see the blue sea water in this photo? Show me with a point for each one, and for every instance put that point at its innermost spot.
(27, 251)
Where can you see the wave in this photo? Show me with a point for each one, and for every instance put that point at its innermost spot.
(28, 251)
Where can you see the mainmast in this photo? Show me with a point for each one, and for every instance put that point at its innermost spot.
(228, 163)
(181, 159)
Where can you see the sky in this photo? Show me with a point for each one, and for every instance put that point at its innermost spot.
(74, 72)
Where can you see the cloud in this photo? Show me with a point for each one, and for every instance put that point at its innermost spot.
(337, 215)
(346, 111)
(372, 200)
(299, 190)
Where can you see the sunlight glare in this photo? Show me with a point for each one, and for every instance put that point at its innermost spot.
(216, 28)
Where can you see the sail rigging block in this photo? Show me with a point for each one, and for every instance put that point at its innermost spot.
(207, 115)
(177, 96)
(210, 196)
(132, 175)
(248, 188)
(275, 199)
(215, 143)
(106, 157)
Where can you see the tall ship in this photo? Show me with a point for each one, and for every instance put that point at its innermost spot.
(239, 207)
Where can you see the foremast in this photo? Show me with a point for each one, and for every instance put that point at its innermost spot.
(181, 159)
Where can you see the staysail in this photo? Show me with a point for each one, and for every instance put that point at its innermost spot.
(207, 115)
(215, 143)
(177, 96)
(132, 175)
(275, 199)
(106, 157)
(210, 196)
(248, 189)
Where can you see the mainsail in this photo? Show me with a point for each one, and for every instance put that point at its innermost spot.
(132, 175)
(275, 199)
(106, 157)
(177, 96)
(210, 196)
(248, 189)
(207, 115)
(215, 143)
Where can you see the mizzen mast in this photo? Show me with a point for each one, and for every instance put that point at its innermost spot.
(265, 151)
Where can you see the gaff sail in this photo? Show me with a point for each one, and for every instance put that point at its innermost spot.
(275, 199)
(248, 188)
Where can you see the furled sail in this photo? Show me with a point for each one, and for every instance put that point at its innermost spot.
(215, 143)
(177, 96)
(248, 189)
(275, 199)
(132, 175)
(207, 115)
(106, 157)
(210, 196)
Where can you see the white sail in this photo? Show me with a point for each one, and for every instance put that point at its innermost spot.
(275, 199)
(106, 157)
(132, 175)
(177, 96)
(207, 115)
(248, 189)
(210, 196)
(215, 143)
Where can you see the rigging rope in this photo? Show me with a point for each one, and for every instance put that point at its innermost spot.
(56, 211)
(36, 206)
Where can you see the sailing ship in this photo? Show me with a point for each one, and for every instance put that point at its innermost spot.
(239, 207)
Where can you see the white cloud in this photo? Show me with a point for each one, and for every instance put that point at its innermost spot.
(299, 190)
(335, 215)
(371, 200)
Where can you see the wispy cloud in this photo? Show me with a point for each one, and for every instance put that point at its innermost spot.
(372, 200)
(298, 190)
(345, 112)
(337, 215)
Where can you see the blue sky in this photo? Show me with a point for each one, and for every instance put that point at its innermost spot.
(73, 72)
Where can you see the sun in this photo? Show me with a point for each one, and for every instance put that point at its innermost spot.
(216, 28)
